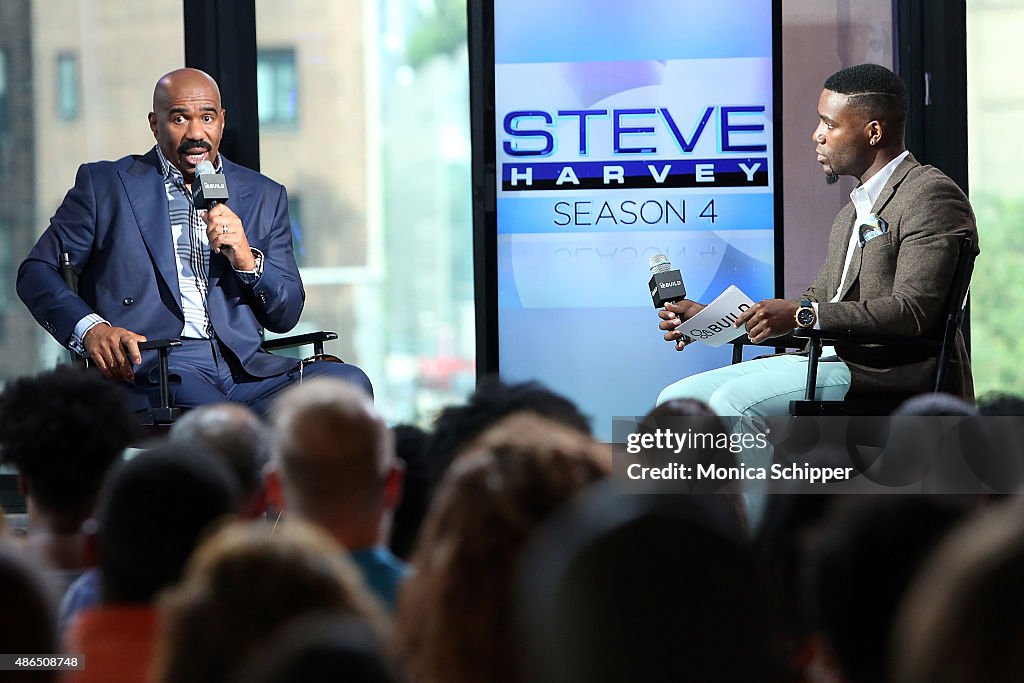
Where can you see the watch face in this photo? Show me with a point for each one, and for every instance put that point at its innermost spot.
(805, 317)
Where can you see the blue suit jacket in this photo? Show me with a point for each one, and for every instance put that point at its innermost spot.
(114, 223)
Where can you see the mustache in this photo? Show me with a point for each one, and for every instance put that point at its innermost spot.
(193, 144)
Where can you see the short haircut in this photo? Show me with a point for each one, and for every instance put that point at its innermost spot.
(233, 432)
(152, 513)
(332, 447)
(62, 430)
(875, 91)
(457, 426)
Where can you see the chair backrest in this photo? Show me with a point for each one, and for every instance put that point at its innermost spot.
(955, 308)
(67, 271)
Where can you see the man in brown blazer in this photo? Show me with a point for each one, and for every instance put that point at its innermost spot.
(892, 253)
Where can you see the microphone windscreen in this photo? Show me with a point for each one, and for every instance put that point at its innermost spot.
(660, 263)
(204, 167)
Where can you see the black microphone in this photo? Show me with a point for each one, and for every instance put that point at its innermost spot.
(67, 271)
(210, 188)
(666, 284)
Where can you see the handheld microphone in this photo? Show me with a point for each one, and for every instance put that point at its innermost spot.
(210, 188)
(666, 284)
(67, 271)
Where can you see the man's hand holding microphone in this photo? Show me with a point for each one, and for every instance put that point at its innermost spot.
(668, 293)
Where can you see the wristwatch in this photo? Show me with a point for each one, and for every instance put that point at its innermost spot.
(805, 315)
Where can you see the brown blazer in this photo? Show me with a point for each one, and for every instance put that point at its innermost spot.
(898, 282)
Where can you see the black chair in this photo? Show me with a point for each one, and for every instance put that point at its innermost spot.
(166, 413)
(778, 344)
(940, 343)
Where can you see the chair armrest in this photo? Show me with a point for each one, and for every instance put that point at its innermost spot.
(157, 344)
(298, 340)
(831, 336)
(786, 341)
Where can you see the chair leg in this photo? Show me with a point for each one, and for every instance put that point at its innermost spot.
(814, 349)
(165, 414)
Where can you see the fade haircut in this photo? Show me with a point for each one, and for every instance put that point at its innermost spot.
(874, 91)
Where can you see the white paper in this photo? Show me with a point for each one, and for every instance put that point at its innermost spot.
(714, 325)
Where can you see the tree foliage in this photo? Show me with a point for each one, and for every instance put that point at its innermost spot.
(997, 295)
(440, 31)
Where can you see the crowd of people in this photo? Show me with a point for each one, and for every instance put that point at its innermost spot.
(322, 544)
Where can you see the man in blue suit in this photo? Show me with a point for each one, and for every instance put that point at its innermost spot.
(153, 265)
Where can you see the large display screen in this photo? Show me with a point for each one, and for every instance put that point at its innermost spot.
(623, 130)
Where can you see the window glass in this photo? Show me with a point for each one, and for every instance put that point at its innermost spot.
(3, 95)
(276, 86)
(379, 151)
(995, 109)
(67, 87)
(54, 52)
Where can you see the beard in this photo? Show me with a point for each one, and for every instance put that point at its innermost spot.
(831, 177)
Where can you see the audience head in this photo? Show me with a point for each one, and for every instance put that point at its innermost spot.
(1001, 405)
(527, 431)
(863, 557)
(461, 586)
(649, 587)
(152, 513)
(243, 585)
(456, 426)
(232, 432)
(960, 621)
(62, 430)
(334, 461)
(29, 624)
(937, 405)
(680, 416)
(682, 407)
(410, 446)
(321, 649)
(965, 445)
